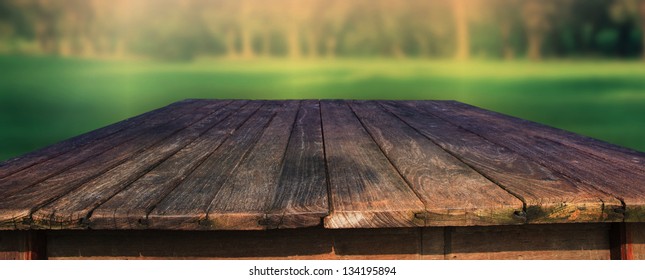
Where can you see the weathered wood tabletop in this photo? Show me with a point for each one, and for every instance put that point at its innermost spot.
(235, 164)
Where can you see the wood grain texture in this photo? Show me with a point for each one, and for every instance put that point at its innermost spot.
(18, 207)
(74, 208)
(186, 206)
(83, 141)
(129, 208)
(366, 190)
(301, 197)
(621, 156)
(546, 242)
(37, 173)
(453, 193)
(242, 201)
(549, 196)
(609, 179)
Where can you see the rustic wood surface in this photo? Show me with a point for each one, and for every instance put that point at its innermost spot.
(615, 172)
(366, 190)
(471, 199)
(301, 197)
(187, 205)
(258, 174)
(130, 207)
(257, 165)
(549, 197)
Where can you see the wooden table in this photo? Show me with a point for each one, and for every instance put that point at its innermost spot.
(324, 179)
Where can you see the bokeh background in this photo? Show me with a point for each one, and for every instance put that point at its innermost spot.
(70, 66)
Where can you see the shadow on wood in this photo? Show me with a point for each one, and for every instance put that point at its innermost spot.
(153, 244)
(22, 245)
(555, 241)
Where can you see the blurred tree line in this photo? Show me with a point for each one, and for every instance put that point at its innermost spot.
(463, 29)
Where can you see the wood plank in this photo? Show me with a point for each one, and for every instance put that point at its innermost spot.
(154, 244)
(627, 241)
(366, 190)
(433, 243)
(546, 242)
(609, 178)
(73, 209)
(82, 141)
(381, 244)
(453, 193)
(243, 200)
(16, 209)
(635, 241)
(301, 198)
(559, 241)
(615, 241)
(621, 156)
(186, 206)
(22, 245)
(130, 207)
(40, 172)
(290, 244)
(620, 241)
(548, 196)
(571, 241)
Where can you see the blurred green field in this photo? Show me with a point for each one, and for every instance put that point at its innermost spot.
(47, 99)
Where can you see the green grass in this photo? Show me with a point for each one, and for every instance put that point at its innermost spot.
(44, 100)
